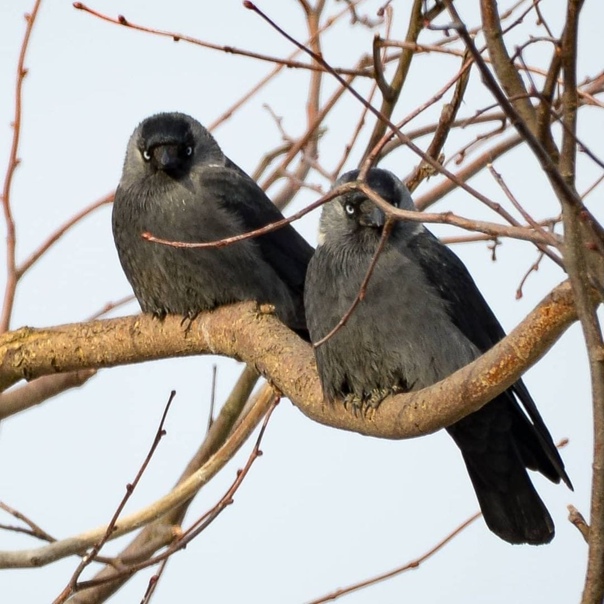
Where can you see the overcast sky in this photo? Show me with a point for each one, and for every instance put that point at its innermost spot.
(322, 508)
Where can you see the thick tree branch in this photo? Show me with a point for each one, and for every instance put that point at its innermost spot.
(506, 71)
(391, 92)
(242, 332)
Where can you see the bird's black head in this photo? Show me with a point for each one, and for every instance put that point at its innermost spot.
(353, 212)
(169, 144)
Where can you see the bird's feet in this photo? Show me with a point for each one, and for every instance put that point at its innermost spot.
(366, 405)
(188, 319)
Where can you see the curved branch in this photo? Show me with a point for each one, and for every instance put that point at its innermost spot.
(244, 332)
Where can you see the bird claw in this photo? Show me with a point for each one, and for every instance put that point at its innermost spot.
(365, 406)
(187, 320)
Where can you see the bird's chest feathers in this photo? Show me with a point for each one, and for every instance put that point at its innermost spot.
(393, 274)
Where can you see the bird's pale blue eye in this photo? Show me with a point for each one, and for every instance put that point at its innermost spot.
(189, 150)
(146, 155)
(350, 209)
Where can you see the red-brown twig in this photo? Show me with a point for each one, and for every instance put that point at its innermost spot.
(412, 565)
(153, 581)
(533, 268)
(363, 287)
(397, 132)
(177, 37)
(269, 228)
(202, 523)
(12, 276)
(34, 530)
(525, 233)
(73, 584)
(54, 237)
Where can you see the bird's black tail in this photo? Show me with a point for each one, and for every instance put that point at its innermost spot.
(512, 509)
(496, 464)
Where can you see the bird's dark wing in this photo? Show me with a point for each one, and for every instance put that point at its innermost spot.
(470, 312)
(284, 249)
(467, 307)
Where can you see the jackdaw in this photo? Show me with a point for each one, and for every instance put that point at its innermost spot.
(178, 185)
(421, 319)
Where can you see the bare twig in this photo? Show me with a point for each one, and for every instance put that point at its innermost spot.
(162, 531)
(12, 276)
(363, 287)
(73, 584)
(36, 392)
(34, 529)
(153, 582)
(177, 37)
(392, 91)
(411, 565)
(447, 117)
(525, 233)
(576, 518)
(199, 526)
(43, 248)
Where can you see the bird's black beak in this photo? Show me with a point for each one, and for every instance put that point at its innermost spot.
(166, 157)
(373, 218)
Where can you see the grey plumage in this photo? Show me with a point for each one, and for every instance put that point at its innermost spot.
(423, 318)
(178, 185)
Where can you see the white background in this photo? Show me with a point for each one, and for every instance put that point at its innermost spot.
(322, 508)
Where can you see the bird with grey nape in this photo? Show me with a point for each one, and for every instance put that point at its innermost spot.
(421, 319)
(178, 185)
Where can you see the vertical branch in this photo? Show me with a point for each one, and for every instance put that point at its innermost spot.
(392, 92)
(314, 114)
(593, 591)
(509, 77)
(316, 77)
(579, 274)
(568, 155)
(507, 74)
(13, 162)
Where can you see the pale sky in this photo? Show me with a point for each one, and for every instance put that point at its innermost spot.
(322, 508)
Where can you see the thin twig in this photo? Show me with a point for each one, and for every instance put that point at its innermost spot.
(153, 582)
(202, 523)
(162, 531)
(54, 237)
(177, 37)
(34, 529)
(363, 287)
(12, 276)
(73, 584)
(412, 565)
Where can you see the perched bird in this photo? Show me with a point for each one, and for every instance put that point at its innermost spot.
(178, 185)
(421, 319)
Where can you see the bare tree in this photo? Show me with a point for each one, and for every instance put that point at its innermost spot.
(527, 60)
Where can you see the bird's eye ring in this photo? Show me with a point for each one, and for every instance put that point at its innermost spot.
(146, 155)
(189, 151)
(350, 209)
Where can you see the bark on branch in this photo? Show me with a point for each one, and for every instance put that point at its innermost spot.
(245, 332)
